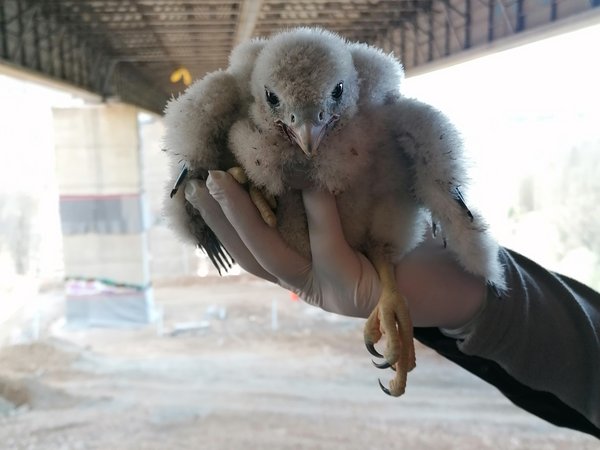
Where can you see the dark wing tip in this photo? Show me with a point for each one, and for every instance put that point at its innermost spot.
(461, 201)
(218, 255)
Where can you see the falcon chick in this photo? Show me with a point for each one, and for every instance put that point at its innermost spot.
(307, 108)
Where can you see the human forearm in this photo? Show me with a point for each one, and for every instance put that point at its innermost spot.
(545, 332)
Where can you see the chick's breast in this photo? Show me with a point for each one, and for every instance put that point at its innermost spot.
(372, 178)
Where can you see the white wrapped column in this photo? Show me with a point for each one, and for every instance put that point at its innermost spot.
(103, 215)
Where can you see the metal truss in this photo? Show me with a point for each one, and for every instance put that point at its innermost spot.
(450, 27)
(128, 48)
(45, 36)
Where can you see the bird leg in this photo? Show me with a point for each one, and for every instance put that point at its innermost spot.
(264, 202)
(391, 318)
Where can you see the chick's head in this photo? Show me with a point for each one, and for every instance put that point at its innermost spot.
(305, 82)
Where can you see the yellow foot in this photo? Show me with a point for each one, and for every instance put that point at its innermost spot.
(391, 319)
(264, 202)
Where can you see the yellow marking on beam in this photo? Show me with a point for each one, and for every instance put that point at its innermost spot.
(181, 74)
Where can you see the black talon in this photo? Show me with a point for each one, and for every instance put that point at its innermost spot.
(383, 365)
(434, 229)
(372, 350)
(179, 180)
(384, 389)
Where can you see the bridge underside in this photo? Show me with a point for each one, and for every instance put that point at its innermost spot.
(128, 49)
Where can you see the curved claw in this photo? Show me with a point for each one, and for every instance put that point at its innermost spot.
(383, 365)
(372, 351)
(383, 388)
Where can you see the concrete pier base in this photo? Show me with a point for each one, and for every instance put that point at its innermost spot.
(103, 214)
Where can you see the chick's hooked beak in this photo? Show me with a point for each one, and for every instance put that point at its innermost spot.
(308, 134)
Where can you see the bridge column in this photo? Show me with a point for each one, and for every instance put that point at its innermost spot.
(103, 216)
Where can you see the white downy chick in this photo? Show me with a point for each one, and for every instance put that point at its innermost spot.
(324, 112)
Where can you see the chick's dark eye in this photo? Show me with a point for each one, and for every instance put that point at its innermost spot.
(337, 91)
(271, 98)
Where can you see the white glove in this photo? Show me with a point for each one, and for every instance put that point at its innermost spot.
(338, 279)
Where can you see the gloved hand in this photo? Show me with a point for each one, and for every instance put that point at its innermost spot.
(338, 279)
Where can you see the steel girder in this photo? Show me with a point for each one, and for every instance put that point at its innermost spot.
(128, 48)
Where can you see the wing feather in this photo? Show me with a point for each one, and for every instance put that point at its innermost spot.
(196, 140)
(436, 151)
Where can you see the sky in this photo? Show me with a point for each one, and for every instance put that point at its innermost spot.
(521, 111)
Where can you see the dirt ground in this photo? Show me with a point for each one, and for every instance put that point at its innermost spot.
(217, 375)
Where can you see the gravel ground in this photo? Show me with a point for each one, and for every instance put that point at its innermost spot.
(218, 375)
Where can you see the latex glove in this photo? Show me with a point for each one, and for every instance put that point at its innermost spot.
(338, 279)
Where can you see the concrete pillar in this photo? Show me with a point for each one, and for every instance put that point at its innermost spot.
(170, 258)
(103, 215)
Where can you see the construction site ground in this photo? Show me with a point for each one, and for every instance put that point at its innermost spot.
(235, 363)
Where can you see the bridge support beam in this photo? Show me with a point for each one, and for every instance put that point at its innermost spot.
(103, 215)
